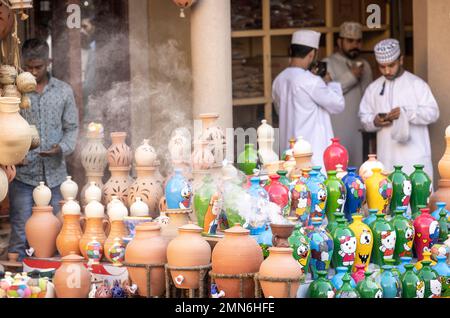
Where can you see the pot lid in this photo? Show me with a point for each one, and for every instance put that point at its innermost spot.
(281, 250)
(237, 229)
(190, 228)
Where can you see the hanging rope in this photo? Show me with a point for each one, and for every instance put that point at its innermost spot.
(16, 47)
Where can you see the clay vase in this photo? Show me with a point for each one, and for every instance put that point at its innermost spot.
(279, 194)
(7, 21)
(95, 229)
(344, 245)
(433, 285)
(236, 254)
(177, 218)
(412, 285)
(118, 230)
(118, 185)
(145, 155)
(288, 154)
(365, 171)
(147, 247)
(356, 193)
(405, 236)
(421, 189)
(69, 189)
(10, 172)
(280, 264)
(321, 245)
(248, 160)
(444, 163)
(42, 195)
(319, 196)
(147, 188)
(336, 195)
(358, 275)
(281, 234)
(300, 243)
(384, 239)
(401, 188)
(188, 249)
(178, 192)
(202, 157)
(41, 230)
(426, 232)
(92, 193)
(15, 135)
(68, 240)
(335, 154)
(72, 279)
(379, 191)
(266, 138)
(301, 201)
(368, 288)
(212, 133)
(302, 161)
(119, 154)
(321, 287)
(364, 242)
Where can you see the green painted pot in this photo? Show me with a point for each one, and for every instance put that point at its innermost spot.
(443, 225)
(336, 193)
(404, 230)
(401, 187)
(248, 160)
(300, 243)
(421, 190)
(368, 288)
(433, 285)
(344, 245)
(347, 291)
(321, 287)
(384, 238)
(412, 285)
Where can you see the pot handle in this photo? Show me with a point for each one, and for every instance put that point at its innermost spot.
(83, 223)
(162, 204)
(106, 226)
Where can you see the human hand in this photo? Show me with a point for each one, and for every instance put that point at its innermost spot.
(394, 114)
(357, 69)
(327, 78)
(55, 151)
(381, 121)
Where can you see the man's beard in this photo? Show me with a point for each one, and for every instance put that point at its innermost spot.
(352, 54)
(396, 75)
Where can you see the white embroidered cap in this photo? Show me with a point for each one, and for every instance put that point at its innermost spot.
(307, 38)
(387, 51)
(351, 30)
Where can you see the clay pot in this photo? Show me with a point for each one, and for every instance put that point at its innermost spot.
(215, 135)
(237, 253)
(139, 208)
(280, 264)
(147, 188)
(68, 285)
(302, 147)
(266, 138)
(147, 247)
(188, 249)
(145, 155)
(177, 218)
(7, 21)
(8, 73)
(426, 230)
(441, 195)
(180, 145)
(25, 102)
(35, 138)
(94, 155)
(95, 229)
(119, 154)
(202, 157)
(68, 240)
(15, 135)
(335, 154)
(11, 91)
(379, 191)
(93, 193)
(41, 230)
(94, 210)
(42, 195)
(117, 211)
(302, 161)
(365, 171)
(3, 185)
(70, 207)
(118, 230)
(69, 189)
(10, 172)
(281, 234)
(117, 185)
(26, 82)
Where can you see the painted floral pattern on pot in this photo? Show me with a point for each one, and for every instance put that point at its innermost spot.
(301, 202)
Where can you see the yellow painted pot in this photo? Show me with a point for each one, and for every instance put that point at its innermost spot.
(364, 242)
(379, 191)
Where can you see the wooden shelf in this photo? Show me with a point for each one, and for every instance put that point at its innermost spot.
(248, 34)
(250, 101)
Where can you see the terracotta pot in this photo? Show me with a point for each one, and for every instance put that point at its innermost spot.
(41, 230)
(281, 234)
(68, 240)
(118, 185)
(280, 264)
(188, 249)
(97, 182)
(237, 253)
(444, 163)
(145, 155)
(177, 218)
(15, 136)
(94, 156)
(72, 279)
(11, 91)
(118, 230)
(335, 154)
(147, 188)
(365, 171)
(3, 185)
(119, 154)
(147, 247)
(441, 195)
(7, 21)
(139, 208)
(69, 189)
(95, 229)
(301, 162)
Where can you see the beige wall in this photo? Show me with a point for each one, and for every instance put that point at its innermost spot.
(432, 62)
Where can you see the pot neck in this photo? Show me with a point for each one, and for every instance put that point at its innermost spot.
(118, 138)
(146, 234)
(143, 172)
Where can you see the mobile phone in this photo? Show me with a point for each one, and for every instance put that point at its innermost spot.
(319, 68)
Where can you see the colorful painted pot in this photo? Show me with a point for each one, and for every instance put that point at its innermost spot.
(433, 286)
(426, 258)
(412, 285)
(443, 270)
(405, 235)
(440, 206)
(384, 239)
(335, 154)
(321, 287)
(336, 194)
(372, 217)
(389, 283)
(379, 191)
(202, 198)
(321, 176)
(358, 275)
(347, 290)
(248, 160)
(344, 246)
(368, 288)
(178, 192)
(318, 196)
(322, 246)
(300, 243)
(356, 193)
(401, 188)
(443, 226)
(337, 281)
(426, 232)
(405, 260)
(421, 189)
(365, 171)
(301, 201)
(279, 194)
(364, 242)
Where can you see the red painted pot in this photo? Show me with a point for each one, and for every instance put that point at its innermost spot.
(278, 194)
(334, 155)
(426, 232)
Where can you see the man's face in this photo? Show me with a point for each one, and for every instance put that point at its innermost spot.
(391, 70)
(37, 67)
(350, 47)
(87, 31)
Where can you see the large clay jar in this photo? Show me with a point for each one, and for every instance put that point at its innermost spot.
(322, 247)
(444, 163)
(7, 21)
(280, 264)
(41, 231)
(344, 245)
(401, 188)
(335, 154)
(147, 188)
(118, 185)
(177, 218)
(236, 254)
(248, 160)
(72, 279)
(68, 240)
(188, 249)
(405, 235)
(356, 193)
(15, 135)
(147, 247)
(379, 191)
(279, 194)
(95, 229)
(178, 192)
(145, 155)
(365, 171)
(318, 196)
(384, 238)
(426, 232)
(364, 242)
(336, 194)
(421, 189)
(119, 154)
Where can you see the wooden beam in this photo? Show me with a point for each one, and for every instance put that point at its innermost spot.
(267, 53)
